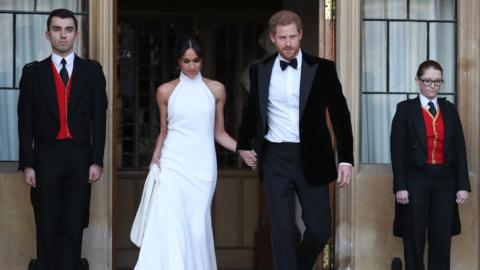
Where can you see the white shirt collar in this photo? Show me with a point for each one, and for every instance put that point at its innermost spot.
(299, 59)
(56, 59)
(424, 100)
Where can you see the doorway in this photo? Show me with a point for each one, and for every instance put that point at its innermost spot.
(232, 34)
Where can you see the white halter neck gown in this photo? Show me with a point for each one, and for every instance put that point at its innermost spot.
(178, 235)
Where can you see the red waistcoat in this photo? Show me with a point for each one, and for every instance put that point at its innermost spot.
(63, 96)
(435, 137)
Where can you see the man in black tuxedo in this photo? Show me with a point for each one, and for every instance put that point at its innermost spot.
(430, 171)
(61, 126)
(290, 94)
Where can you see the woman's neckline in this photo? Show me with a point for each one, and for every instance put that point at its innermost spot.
(185, 78)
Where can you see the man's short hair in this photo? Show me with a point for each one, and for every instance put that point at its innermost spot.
(284, 17)
(62, 13)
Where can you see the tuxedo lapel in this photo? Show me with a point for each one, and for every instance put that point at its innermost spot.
(76, 81)
(309, 68)
(264, 75)
(419, 123)
(447, 122)
(45, 74)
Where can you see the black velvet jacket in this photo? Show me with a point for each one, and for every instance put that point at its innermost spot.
(319, 90)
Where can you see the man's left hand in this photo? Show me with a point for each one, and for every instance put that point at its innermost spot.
(344, 175)
(95, 173)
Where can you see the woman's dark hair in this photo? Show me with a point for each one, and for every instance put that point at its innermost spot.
(61, 13)
(426, 65)
(189, 41)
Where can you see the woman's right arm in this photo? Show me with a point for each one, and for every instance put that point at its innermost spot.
(163, 92)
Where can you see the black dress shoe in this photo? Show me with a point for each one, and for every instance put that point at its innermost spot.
(396, 264)
(32, 265)
(84, 264)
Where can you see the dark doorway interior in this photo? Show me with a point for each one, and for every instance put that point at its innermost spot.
(231, 31)
(147, 34)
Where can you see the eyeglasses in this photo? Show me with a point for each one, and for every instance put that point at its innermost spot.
(428, 82)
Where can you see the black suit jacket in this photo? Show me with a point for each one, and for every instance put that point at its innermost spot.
(38, 113)
(408, 147)
(319, 90)
(409, 142)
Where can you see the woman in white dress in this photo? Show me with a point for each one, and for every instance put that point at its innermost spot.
(178, 234)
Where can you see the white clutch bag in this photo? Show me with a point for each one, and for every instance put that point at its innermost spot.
(143, 212)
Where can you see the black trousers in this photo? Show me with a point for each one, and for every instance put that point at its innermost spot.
(60, 202)
(283, 176)
(429, 213)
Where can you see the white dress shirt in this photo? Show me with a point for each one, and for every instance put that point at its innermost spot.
(283, 107)
(56, 59)
(283, 102)
(424, 101)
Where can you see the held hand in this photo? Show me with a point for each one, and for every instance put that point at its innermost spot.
(155, 162)
(95, 173)
(402, 197)
(344, 175)
(462, 196)
(249, 157)
(29, 177)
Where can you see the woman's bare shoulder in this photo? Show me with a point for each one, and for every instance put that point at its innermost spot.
(166, 89)
(168, 86)
(215, 86)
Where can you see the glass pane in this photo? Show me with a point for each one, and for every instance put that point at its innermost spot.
(31, 43)
(6, 57)
(16, 5)
(432, 9)
(8, 122)
(377, 114)
(448, 97)
(385, 9)
(408, 48)
(442, 49)
(374, 57)
(73, 5)
(81, 44)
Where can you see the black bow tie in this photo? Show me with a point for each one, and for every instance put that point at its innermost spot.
(285, 64)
